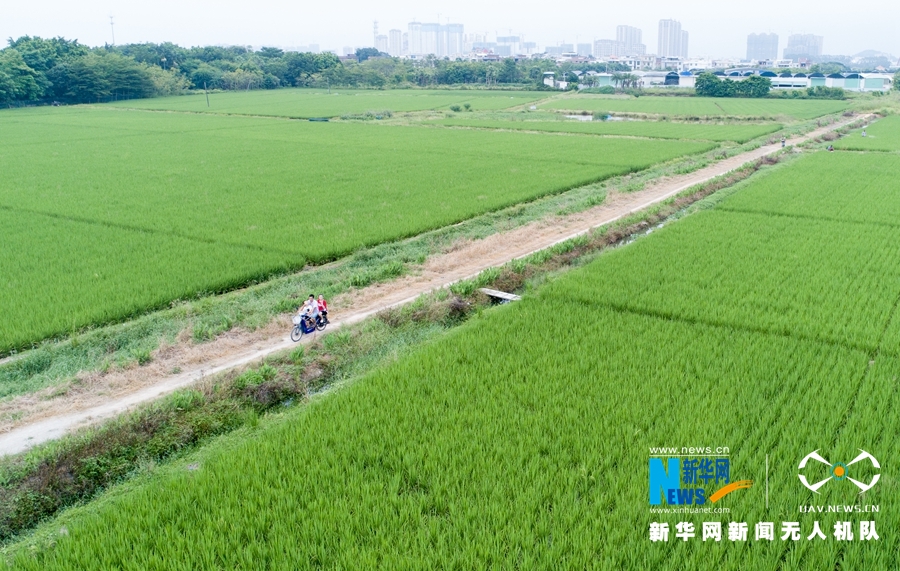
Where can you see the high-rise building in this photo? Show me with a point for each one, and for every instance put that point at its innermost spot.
(762, 47)
(430, 34)
(607, 48)
(414, 32)
(584, 50)
(470, 40)
(381, 43)
(672, 41)
(803, 46)
(454, 42)
(510, 42)
(553, 51)
(629, 38)
(395, 43)
(437, 39)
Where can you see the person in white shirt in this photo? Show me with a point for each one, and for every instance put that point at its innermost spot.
(312, 307)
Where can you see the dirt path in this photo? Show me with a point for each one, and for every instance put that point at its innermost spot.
(37, 418)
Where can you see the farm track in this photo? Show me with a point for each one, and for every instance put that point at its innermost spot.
(43, 416)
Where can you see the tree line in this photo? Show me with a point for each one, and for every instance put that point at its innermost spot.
(710, 85)
(34, 69)
(39, 70)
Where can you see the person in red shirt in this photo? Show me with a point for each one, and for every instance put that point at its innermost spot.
(323, 307)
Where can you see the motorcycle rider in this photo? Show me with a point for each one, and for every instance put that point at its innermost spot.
(323, 307)
(309, 311)
(313, 308)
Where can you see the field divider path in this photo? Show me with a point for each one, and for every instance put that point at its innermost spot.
(119, 391)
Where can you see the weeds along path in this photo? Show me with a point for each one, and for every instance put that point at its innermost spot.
(44, 416)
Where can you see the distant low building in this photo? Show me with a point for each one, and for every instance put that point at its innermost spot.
(608, 48)
(634, 62)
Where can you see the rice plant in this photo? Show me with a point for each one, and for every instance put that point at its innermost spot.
(701, 106)
(521, 439)
(739, 133)
(111, 213)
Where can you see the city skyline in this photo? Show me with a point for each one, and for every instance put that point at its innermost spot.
(720, 33)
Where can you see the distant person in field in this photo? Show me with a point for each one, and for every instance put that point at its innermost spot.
(323, 307)
(830, 148)
(864, 132)
(783, 141)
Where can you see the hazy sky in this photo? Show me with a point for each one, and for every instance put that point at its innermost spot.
(716, 28)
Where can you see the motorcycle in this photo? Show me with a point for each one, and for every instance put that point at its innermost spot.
(303, 325)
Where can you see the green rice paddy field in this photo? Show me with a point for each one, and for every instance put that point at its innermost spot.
(653, 129)
(766, 323)
(699, 106)
(305, 103)
(882, 135)
(107, 213)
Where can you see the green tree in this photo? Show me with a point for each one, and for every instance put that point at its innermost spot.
(822, 92)
(242, 79)
(829, 67)
(270, 53)
(632, 81)
(167, 82)
(206, 76)
(101, 76)
(303, 66)
(509, 72)
(394, 70)
(897, 80)
(709, 85)
(457, 72)
(41, 54)
(754, 86)
(362, 54)
(626, 80)
(490, 74)
(18, 81)
(166, 55)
